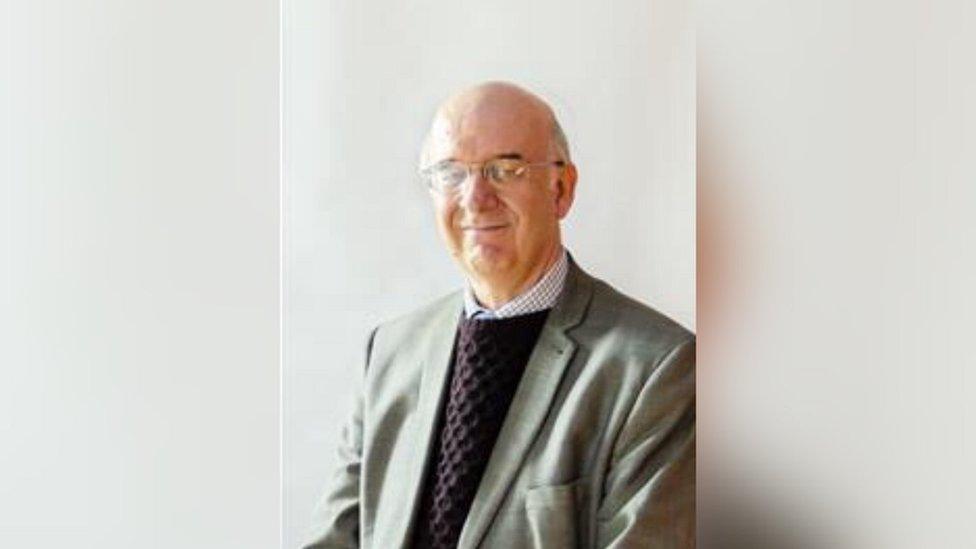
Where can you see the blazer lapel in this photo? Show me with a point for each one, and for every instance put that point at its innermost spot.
(530, 405)
(436, 358)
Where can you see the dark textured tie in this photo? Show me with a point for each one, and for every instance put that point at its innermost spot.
(489, 357)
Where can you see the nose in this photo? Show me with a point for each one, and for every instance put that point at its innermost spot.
(477, 193)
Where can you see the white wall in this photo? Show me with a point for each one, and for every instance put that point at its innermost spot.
(361, 80)
(138, 274)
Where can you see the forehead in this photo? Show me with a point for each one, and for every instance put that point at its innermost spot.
(486, 130)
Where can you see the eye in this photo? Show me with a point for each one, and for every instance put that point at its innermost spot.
(450, 174)
(506, 169)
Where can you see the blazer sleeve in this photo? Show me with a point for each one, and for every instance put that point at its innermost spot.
(336, 522)
(649, 490)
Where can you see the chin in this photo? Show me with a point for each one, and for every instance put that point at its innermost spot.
(487, 259)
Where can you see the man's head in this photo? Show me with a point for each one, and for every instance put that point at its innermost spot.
(503, 233)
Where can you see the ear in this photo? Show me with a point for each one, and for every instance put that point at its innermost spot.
(565, 189)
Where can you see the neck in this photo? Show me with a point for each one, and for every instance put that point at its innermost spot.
(493, 293)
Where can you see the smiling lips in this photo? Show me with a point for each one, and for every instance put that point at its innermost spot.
(483, 228)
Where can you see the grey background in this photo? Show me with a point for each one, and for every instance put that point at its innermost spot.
(139, 274)
(837, 190)
(361, 81)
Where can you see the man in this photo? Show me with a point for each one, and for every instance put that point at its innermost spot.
(538, 407)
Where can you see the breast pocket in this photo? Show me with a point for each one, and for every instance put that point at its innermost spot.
(553, 514)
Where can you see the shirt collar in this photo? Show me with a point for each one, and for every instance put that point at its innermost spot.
(542, 295)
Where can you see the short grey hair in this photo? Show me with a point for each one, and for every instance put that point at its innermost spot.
(558, 141)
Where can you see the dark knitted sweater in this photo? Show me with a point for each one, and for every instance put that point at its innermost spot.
(489, 357)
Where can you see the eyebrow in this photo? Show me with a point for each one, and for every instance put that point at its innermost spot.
(509, 156)
(503, 156)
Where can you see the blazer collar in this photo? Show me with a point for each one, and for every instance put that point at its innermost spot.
(540, 380)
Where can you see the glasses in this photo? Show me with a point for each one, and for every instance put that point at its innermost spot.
(447, 176)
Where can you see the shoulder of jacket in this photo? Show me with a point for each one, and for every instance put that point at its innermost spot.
(420, 318)
(633, 312)
(634, 325)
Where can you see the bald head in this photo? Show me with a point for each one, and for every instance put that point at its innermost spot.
(501, 103)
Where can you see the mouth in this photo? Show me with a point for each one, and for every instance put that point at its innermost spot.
(483, 228)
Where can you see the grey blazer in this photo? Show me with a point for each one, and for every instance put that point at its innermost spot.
(597, 449)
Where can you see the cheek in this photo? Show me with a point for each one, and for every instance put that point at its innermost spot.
(534, 211)
(445, 212)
